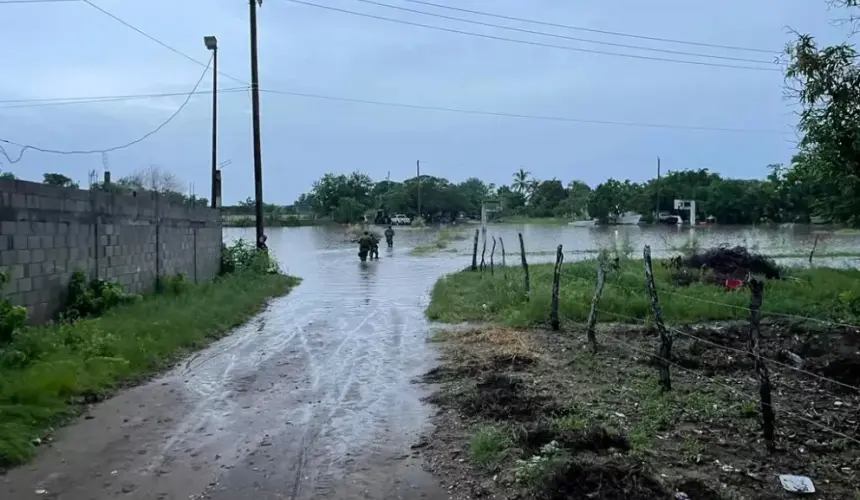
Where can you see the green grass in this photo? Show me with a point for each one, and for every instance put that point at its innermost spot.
(488, 445)
(821, 293)
(46, 372)
(441, 240)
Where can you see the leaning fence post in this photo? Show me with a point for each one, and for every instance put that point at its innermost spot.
(483, 253)
(556, 278)
(525, 265)
(812, 252)
(753, 344)
(664, 353)
(475, 252)
(502, 244)
(595, 301)
(492, 253)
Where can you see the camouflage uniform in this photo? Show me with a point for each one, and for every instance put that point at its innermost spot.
(364, 246)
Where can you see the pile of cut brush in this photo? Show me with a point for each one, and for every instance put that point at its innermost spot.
(722, 263)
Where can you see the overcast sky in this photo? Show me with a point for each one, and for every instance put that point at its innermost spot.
(53, 50)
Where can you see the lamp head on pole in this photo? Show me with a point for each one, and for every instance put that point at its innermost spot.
(211, 42)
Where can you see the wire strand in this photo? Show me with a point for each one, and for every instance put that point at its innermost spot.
(529, 42)
(556, 35)
(60, 101)
(159, 42)
(734, 390)
(25, 147)
(592, 30)
(519, 115)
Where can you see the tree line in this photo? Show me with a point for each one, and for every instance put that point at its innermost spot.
(780, 197)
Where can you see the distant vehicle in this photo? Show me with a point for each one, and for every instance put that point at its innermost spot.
(401, 220)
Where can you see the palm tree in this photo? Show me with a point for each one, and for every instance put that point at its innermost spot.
(521, 180)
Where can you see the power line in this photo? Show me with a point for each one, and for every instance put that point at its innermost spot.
(60, 101)
(3, 2)
(518, 115)
(529, 42)
(159, 42)
(555, 35)
(592, 30)
(25, 147)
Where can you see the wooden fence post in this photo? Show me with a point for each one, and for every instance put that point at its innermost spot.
(475, 252)
(812, 252)
(483, 253)
(753, 343)
(502, 244)
(664, 353)
(556, 278)
(525, 266)
(492, 253)
(595, 301)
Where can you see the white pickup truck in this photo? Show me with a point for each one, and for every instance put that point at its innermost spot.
(401, 220)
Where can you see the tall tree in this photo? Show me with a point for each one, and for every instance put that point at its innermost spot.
(521, 181)
(826, 83)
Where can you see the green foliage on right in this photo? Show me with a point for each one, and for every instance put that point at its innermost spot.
(821, 293)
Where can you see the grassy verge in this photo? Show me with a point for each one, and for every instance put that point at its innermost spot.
(47, 372)
(822, 293)
(539, 416)
(441, 240)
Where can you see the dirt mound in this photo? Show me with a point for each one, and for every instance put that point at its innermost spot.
(499, 397)
(607, 481)
(730, 262)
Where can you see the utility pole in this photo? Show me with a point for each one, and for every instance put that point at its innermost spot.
(418, 173)
(255, 110)
(657, 213)
(212, 44)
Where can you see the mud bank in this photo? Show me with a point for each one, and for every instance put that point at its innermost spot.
(533, 414)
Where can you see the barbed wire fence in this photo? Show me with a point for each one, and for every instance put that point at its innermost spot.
(663, 357)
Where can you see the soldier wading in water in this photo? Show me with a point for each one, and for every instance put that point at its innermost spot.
(364, 245)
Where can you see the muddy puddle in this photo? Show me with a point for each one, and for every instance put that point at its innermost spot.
(313, 398)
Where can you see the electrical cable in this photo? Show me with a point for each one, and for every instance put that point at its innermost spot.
(25, 147)
(518, 115)
(159, 42)
(592, 30)
(60, 101)
(3, 2)
(529, 42)
(555, 35)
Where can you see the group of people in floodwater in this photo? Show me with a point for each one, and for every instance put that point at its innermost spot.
(368, 244)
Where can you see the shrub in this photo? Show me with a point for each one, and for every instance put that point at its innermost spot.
(242, 256)
(93, 298)
(11, 317)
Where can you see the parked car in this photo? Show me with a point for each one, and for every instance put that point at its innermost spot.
(401, 220)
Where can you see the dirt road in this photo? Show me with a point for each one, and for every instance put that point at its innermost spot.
(314, 398)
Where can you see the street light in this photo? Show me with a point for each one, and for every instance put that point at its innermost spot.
(212, 44)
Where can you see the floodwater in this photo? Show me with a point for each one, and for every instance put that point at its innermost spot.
(315, 396)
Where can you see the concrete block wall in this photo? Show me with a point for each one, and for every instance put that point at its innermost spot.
(48, 232)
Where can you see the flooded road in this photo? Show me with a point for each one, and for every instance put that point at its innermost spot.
(314, 397)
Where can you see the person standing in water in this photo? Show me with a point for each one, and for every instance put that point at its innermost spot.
(374, 247)
(389, 236)
(364, 246)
